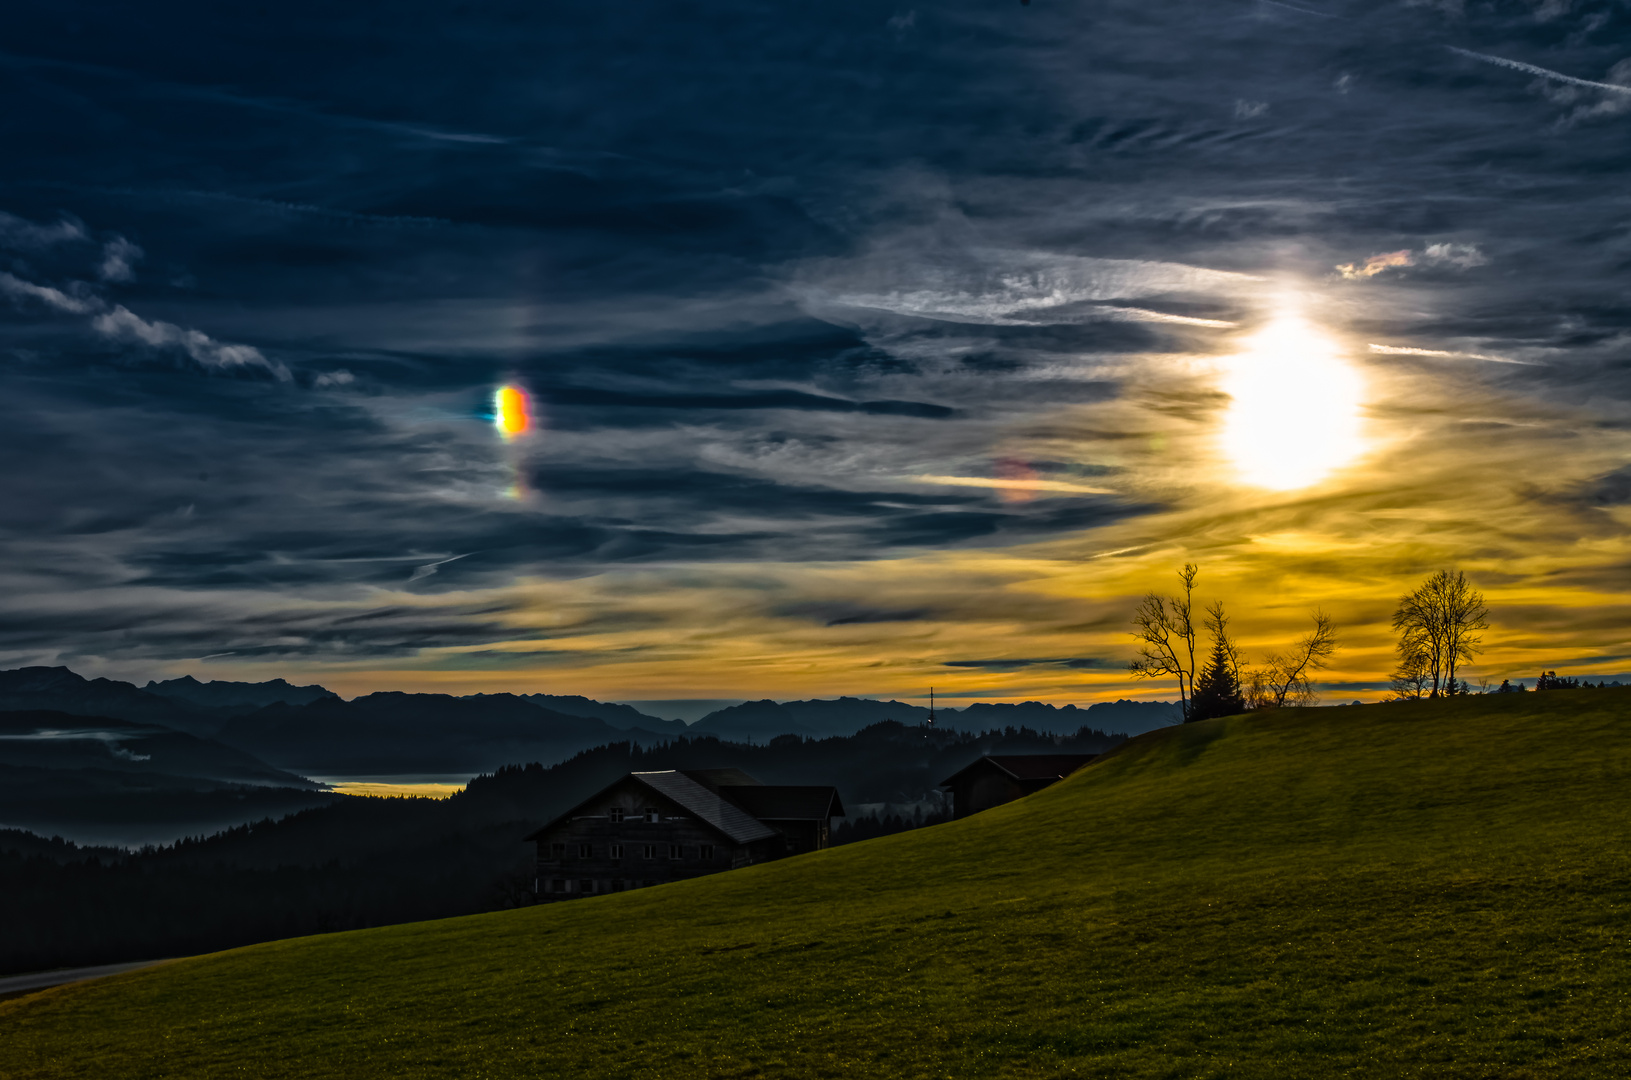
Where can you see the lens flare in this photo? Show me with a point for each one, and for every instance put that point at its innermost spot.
(512, 412)
(1294, 417)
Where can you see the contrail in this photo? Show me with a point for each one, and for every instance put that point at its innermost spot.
(1405, 350)
(1011, 485)
(1305, 11)
(1545, 73)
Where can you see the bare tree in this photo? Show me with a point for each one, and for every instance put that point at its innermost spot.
(1441, 620)
(1165, 628)
(1284, 678)
(1413, 678)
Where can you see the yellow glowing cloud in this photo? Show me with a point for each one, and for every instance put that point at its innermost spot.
(512, 413)
(1375, 265)
(1294, 412)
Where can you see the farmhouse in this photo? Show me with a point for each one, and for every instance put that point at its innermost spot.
(999, 778)
(653, 827)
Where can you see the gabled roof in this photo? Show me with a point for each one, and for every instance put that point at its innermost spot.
(707, 806)
(1028, 767)
(786, 802)
(710, 806)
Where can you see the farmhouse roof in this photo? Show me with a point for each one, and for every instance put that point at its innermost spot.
(1028, 767)
(707, 805)
(714, 779)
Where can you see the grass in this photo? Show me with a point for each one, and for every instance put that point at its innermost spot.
(1437, 889)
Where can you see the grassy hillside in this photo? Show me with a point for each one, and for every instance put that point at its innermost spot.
(1407, 890)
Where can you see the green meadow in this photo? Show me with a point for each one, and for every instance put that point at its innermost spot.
(1437, 889)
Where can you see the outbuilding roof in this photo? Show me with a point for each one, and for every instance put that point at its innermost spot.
(1028, 767)
(786, 802)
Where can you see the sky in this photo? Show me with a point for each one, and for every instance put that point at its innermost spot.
(678, 351)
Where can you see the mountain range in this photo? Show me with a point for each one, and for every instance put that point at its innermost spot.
(110, 761)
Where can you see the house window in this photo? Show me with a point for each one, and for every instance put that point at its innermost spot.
(652, 815)
(706, 851)
(615, 851)
(617, 885)
(585, 851)
(615, 813)
(675, 851)
(651, 851)
(558, 885)
(557, 851)
(586, 886)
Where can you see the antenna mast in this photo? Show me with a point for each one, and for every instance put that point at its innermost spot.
(931, 706)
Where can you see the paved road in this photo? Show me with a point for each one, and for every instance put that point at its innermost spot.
(18, 984)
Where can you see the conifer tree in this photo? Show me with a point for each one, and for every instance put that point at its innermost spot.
(1217, 690)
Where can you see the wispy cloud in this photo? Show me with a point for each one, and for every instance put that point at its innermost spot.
(1375, 265)
(1459, 256)
(115, 321)
(1004, 287)
(51, 297)
(20, 234)
(121, 324)
(1064, 487)
(119, 258)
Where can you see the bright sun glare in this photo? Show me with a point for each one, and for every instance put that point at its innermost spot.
(1295, 411)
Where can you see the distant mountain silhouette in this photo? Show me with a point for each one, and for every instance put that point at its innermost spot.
(396, 733)
(761, 720)
(624, 717)
(236, 695)
(60, 689)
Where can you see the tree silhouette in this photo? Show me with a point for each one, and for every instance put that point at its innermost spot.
(1165, 628)
(1283, 680)
(1217, 688)
(1438, 624)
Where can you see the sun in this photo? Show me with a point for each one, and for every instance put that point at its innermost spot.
(1294, 413)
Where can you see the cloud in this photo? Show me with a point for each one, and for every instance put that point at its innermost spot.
(121, 324)
(1376, 264)
(1249, 110)
(18, 289)
(1461, 256)
(1009, 287)
(1458, 256)
(1077, 663)
(119, 258)
(115, 321)
(19, 234)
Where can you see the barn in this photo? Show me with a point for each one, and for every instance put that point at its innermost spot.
(999, 778)
(653, 827)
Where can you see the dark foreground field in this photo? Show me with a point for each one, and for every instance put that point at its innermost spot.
(1437, 890)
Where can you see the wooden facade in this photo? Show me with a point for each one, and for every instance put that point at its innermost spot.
(653, 827)
(999, 778)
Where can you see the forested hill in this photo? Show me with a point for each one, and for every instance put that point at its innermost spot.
(761, 720)
(367, 861)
